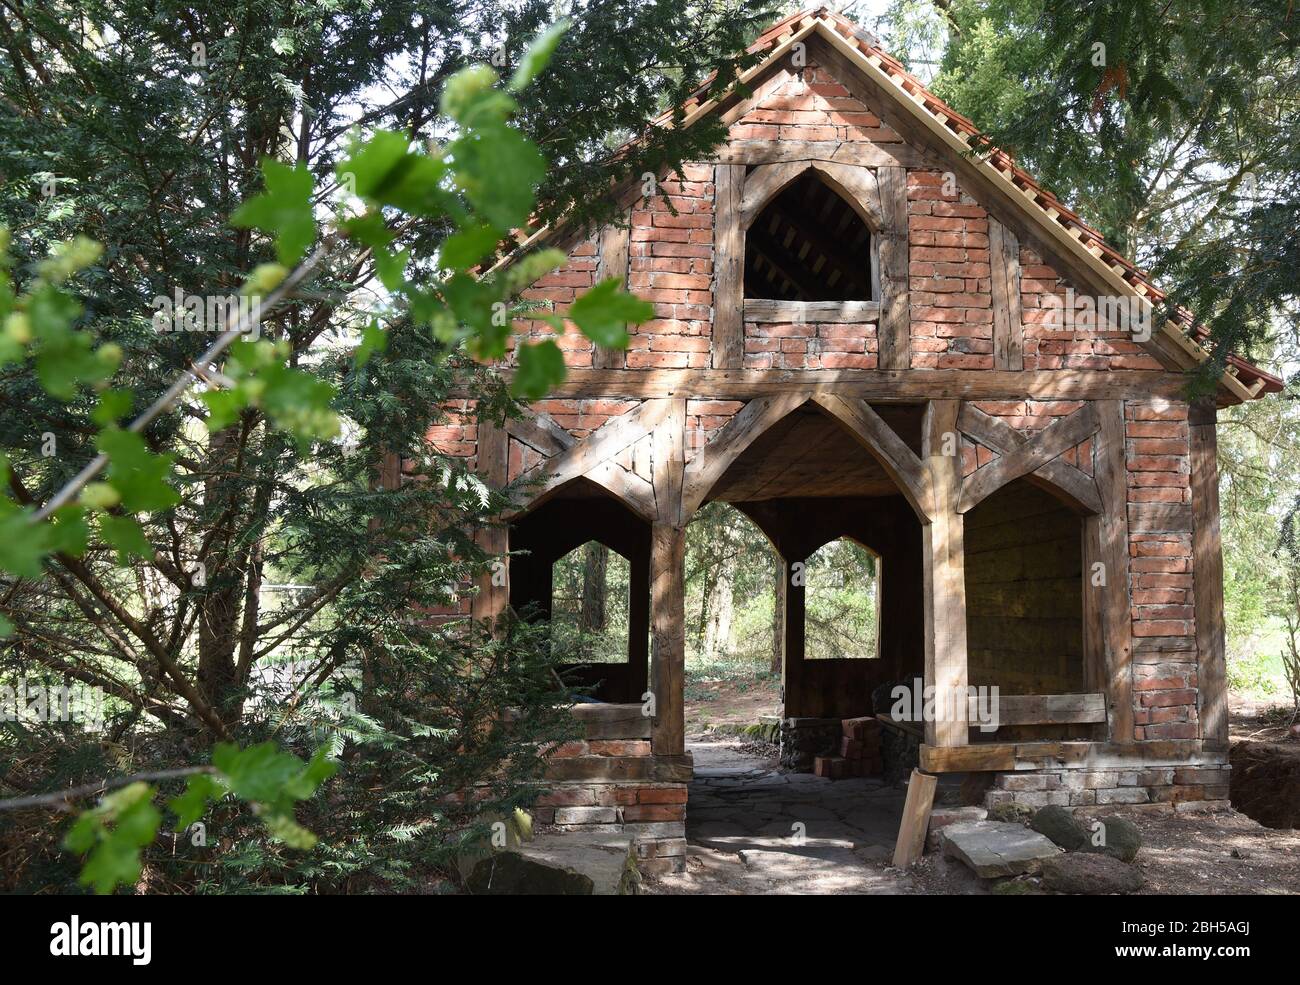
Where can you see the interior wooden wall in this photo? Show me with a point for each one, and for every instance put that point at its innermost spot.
(797, 527)
(1024, 592)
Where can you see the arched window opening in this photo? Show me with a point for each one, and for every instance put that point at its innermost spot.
(842, 602)
(589, 605)
(808, 244)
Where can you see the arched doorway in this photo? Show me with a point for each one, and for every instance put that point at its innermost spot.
(543, 542)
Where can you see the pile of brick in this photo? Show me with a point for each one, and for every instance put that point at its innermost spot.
(859, 751)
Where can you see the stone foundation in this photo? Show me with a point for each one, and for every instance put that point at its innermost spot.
(652, 815)
(612, 783)
(900, 751)
(1161, 785)
(804, 739)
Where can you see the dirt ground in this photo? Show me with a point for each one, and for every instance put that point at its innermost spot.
(730, 702)
(744, 809)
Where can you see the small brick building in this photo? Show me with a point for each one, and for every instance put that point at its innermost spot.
(862, 330)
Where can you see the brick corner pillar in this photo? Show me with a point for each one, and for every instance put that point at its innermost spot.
(1207, 576)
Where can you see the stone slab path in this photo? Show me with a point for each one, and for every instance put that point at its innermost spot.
(755, 830)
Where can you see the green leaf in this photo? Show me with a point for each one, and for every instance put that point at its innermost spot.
(541, 366)
(538, 55)
(126, 536)
(114, 832)
(373, 339)
(603, 312)
(467, 91)
(224, 407)
(385, 171)
(274, 780)
(200, 790)
(464, 249)
(298, 402)
(136, 473)
(68, 533)
(112, 407)
(23, 545)
(499, 169)
(284, 210)
(65, 358)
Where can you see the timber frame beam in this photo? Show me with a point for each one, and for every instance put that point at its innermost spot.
(1028, 456)
(931, 483)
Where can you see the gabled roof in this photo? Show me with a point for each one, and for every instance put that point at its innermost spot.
(1061, 226)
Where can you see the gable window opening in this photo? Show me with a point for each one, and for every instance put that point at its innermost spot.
(589, 605)
(808, 244)
(842, 602)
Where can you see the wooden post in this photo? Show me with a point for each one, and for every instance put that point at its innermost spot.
(638, 626)
(668, 583)
(728, 267)
(895, 314)
(668, 644)
(792, 650)
(613, 262)
(1004, 266)
(1111, 470)
(1094, 618)
(1207, 577)
(492, 466)
(916, 819)
(945, 576)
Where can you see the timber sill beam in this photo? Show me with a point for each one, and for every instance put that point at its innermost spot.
(811, 312)
(1010, 756)
(883, 385)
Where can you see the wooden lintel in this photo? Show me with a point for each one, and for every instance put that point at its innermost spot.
(858, 153)
(811, 312)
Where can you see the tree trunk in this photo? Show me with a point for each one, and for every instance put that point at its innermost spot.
(778, 615)
(220, 581)
(719, 627)
(594, 587)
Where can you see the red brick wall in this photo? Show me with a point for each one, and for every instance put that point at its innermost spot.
(671, 265)
(948, 276)
(1052, 344)
(557, 290)
(1160, 566)
(704, 419)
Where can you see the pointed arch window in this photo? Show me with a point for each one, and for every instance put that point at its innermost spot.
(809, 244)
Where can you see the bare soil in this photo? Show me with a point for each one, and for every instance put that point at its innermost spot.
(730, 702)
